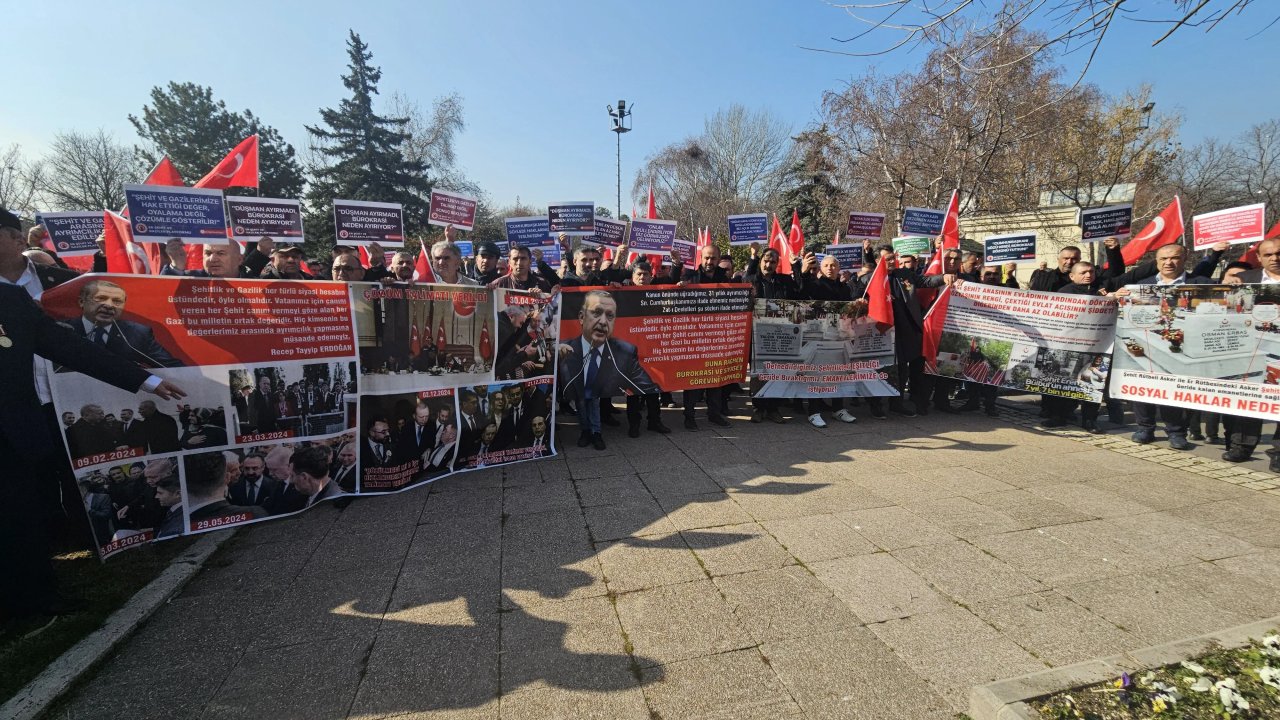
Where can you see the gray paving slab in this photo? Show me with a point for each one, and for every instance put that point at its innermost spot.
(872, 571)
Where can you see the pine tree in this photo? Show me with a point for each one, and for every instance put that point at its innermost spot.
(185, 122)
(365, 155)
(814, 194)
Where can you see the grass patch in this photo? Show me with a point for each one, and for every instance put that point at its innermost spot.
(1220, 684)
(104, 588)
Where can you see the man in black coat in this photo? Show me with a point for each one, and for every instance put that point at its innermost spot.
(102, 304)
(708, 271)
(207, 505)
(1247, 432)
(159, 431)
(25, 331)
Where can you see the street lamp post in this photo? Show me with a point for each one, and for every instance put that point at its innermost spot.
(621, 124)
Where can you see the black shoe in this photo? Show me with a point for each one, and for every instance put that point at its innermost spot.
(1275, 465)
(1143, 436)
(1237, 455)
(902, 408)
(877, 412)
(757, 416)
(1213, 440)
(992, 412)
(922, 409)
(1178, 442)
(718, 420)
(658, 427)
(1090, 426)
(724, 410)
(690, 424)
(633, 430)
(775, 416)
(609, 420)
(597, 441)
(584, 439)
(1196, 437)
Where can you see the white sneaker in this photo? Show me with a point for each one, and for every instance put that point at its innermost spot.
(817, 421)
(846, 416)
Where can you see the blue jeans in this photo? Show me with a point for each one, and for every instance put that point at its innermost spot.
(589, 416)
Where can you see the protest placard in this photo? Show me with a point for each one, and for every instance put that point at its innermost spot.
(1103, 222)
(749, 228)
(1235, 225)
(73, 234)
(573, 218)
(673, 338)
(257, 217)
(1014, 247)
(652, 236)
(370, 388)
(1214, 348)
(527, 231)
(687, 250)
(866, 226)
(159, 212)
(609, 232)
(1049, 343)
(918, 246)
(922, 221)
(451, 208)
(849, 255)
(808, 348)
(359, 222)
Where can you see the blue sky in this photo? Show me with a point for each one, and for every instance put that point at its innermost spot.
(536, 77)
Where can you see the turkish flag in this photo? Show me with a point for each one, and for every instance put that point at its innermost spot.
(835, 239)
(440, 339)
(123, 255)
(1163, 229)
(238, 169)
(779, 242)
(164, 173)
(486, 345)
(422, 270)
(933, 328)
(415, 343)
(879, 299)
(795, 238)
(951, 223)
(653, 207)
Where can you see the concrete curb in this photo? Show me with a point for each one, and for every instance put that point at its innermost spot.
(1006, 699)
(57, 678)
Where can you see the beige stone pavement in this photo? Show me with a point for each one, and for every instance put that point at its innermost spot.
(877, 570)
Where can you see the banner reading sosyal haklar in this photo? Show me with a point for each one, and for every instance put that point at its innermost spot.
(450, 208)
(811, 348)
(1048, 343)
(160, 212)
(359, 222)
(257, 217)
(1214, 348)
(658, 337)
(73, 234)
(266, 367)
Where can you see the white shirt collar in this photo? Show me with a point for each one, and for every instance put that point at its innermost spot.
(28, 281)
(1180, 280)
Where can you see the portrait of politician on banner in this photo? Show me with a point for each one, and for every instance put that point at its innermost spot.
(813, 348)
(1202, 347)
(291, 400)
(105, 317)
(423, 336)
(408, 438)
(650, 337)
(527, 326)
(505, 423)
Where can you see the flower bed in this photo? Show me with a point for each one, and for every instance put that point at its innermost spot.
(1240, 683)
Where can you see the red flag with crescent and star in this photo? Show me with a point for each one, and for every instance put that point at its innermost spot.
(440, 339)
(879, 300)
(1163, 229)
(238, 169)
(415, 343)
(951, 223)
(486, 349)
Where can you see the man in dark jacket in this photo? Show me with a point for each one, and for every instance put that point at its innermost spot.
(25, 331)
(707, 272)
(1245, 433)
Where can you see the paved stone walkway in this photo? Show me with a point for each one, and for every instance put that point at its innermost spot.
(870, 571)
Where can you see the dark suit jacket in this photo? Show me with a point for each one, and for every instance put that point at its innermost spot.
(408, 448)
(262, 413)
(368, 458)
(85, 438)
(619, 372)
(160, 432)
(268, 490)
(133, 341)
(469, 438)
(31, 333)
(171, 525)
(1192, 279)
(345, 477)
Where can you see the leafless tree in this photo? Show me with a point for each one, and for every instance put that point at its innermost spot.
(432, 138)
(19, 181)
(87, 171)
